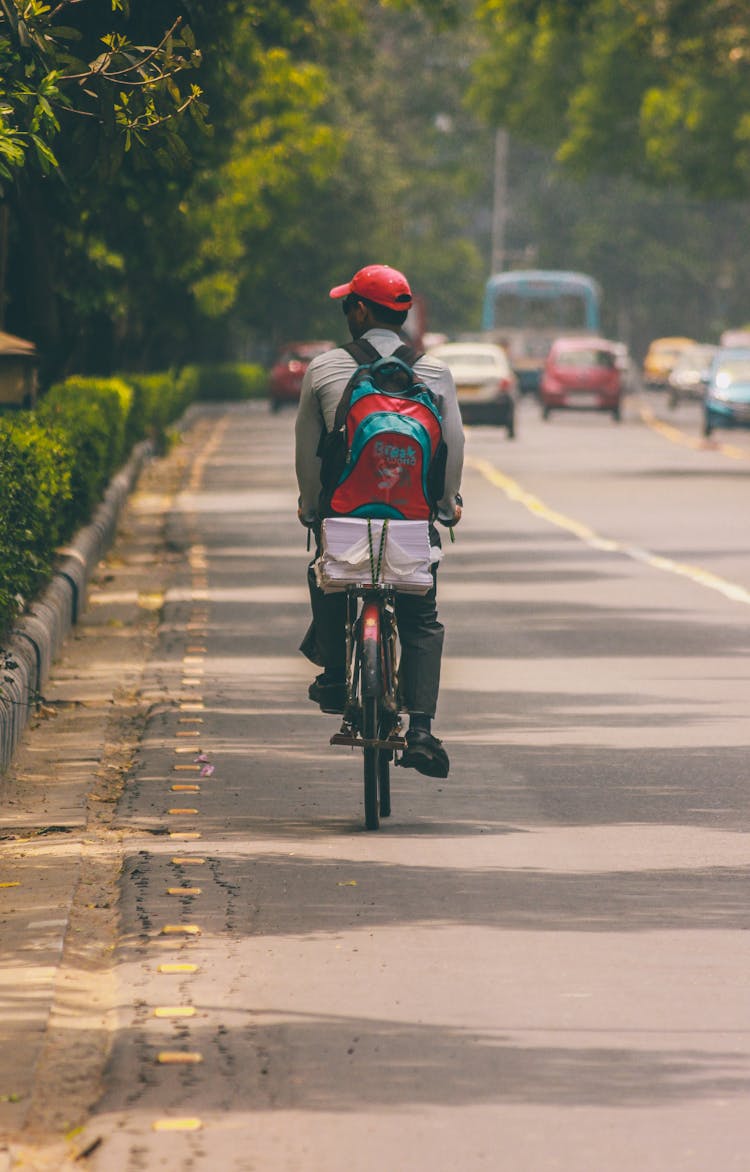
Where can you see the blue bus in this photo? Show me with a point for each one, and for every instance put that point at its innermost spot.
(526, 309)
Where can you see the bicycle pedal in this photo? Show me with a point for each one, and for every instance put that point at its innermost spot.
(344, 738)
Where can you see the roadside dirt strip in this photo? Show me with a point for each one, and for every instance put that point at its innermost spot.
(60, 856)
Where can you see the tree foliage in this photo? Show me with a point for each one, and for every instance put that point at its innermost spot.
(67, 62)
(660, 92)
(186, 179)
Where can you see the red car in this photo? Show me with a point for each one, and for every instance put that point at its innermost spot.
(583, 374)
(285, 378)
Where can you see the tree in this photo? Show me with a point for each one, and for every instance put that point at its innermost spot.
(146, 237)
(88, 69)
(330, 168)
(660, 92)
(92, 97)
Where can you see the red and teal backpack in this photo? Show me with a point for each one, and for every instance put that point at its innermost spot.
(385, 455)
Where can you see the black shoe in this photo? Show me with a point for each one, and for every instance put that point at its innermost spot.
(425, 753)
(331, 697)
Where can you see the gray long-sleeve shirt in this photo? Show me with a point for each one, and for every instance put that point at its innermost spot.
(323, 385)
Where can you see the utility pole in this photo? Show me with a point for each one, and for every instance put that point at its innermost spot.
(500, 201)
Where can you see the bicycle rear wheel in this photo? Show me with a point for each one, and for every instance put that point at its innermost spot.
(372, 694)
(372, 762)
(384, 782)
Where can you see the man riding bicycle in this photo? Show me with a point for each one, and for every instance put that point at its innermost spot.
(376, 302)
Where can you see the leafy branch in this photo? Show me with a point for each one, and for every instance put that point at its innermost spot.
(128, 90)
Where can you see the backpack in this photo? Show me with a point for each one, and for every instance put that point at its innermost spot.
(385, 455)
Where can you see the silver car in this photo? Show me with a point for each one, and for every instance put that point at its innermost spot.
(486, 385)
(689, 375)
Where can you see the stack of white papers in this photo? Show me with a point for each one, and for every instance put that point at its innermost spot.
(355, 552)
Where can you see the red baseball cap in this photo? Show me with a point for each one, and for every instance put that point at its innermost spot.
(378, 283)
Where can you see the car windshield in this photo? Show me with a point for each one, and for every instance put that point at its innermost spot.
(479, 362)
(587, 357)
(731, 373)
(488, 360)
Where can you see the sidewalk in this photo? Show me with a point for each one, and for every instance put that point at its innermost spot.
(59, 857)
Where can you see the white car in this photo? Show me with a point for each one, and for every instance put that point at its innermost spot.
(486, 385)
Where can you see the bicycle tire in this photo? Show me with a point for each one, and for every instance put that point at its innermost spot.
(384, 782)
(388, 715)
(372, 692)
(371, 762)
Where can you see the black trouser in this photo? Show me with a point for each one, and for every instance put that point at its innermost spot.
(419, 630)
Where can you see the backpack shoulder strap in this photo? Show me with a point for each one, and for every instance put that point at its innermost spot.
(363, 353)
(407, 354)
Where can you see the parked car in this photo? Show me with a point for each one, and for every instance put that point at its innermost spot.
(689, 375)
(581, 373)
(486, 385)
(727, 398)
(661, 357)
(287, 372)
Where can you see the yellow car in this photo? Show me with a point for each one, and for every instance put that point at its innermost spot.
(660, 359)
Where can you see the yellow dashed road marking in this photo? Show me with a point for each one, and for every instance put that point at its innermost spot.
(177, 968)
(697, 574)
(697, 443)
(179, 1057)
(177, 1125)
(180, 930)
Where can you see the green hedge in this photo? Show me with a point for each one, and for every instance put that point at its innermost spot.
(35, 494)
(56, 461)
(222, 383)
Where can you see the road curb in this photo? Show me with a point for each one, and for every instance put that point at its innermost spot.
(40, 633)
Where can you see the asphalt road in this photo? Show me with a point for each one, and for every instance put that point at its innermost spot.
(539, 964)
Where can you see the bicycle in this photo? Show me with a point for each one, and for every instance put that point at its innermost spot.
(372, 718)
(371, 580)
(372, 708)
